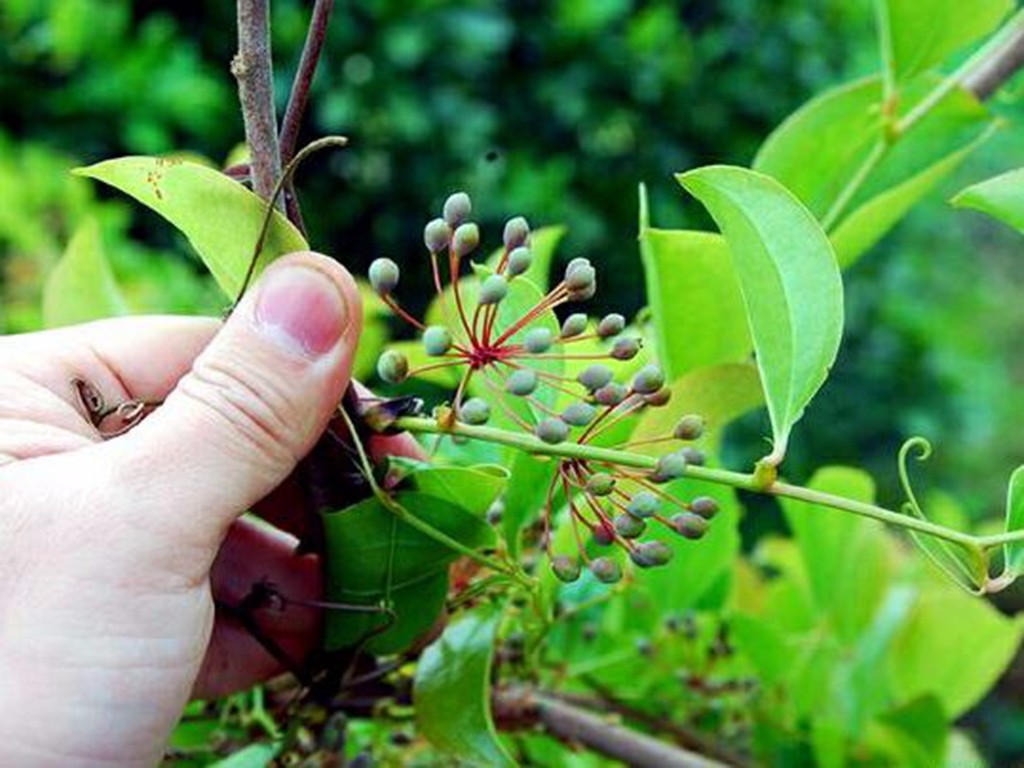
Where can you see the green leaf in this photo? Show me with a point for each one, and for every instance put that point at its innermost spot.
(790, 282)
(220, 217)
(472, 488)
(921, 35)
(371, 556)
(847, 558)
(916, 734)
(1013, 554)
(694, 297)
(527, 493)
(82, 286)
(252, 756)
(818, 149)
(452, 691)
(1001, 197)
(954, 646)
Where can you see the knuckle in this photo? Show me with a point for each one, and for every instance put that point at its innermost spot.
(255, 406)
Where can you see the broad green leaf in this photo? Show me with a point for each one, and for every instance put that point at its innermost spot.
(847, 558)
(82, 286)
(252, 756)
(1013, 554)
(371, 556)
(790, 282)
(527, 493)
(818, 149)
(472, 488)
(452, 691)
(915, 734)
(694, 298)
(1001, 197)
(719, 393)
(220, 217)
(921, 34)
(954, 646)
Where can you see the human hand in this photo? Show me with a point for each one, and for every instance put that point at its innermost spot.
(107, 621)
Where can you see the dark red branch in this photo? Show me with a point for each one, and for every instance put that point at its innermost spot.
(299, 97)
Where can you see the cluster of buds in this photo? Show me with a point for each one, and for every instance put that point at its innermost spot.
(510, 356)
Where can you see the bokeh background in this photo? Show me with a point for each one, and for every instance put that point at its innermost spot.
(555, 109)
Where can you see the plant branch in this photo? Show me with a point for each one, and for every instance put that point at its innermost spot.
(989, 75)
(746, 482)
(253, 68)
(518, 708)
(299, 96)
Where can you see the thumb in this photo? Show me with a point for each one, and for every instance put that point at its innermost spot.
(255, 402)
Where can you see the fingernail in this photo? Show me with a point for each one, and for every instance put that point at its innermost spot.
(301, 309)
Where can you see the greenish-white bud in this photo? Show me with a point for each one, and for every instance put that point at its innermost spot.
(611, 394)
(606, 570)
(516, 233)
(551, 430)
(383, 274)
(521, 382)
(465, 240)
(437, 235)
(574, 325)
(628, 526)
(578, 414)
(600, 484)
(593, 377)
(650, 554)
(519, 261)
(457, 209)
(493, 289)
(437, 340)
(538, 340)
(625, 348)
(648, 380)
(611, 325)
(643, 504)
(475, 411)
(670, 467)
(690, 427)
(393, 367)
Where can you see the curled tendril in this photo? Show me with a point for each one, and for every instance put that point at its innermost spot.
(923, 450)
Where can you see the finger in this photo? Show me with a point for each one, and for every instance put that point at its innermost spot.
(253, 553)
(254, 402)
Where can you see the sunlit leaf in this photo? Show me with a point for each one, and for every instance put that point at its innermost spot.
(1001, 197)
(452, 691)
(1013, 554)
(472, 488)
(694, 297)
(920, 34)
(790, 282)
(818, 149)
(220, 217)
(252, 756)
(82, 286)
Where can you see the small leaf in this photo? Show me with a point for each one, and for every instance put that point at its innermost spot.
(1001, 197)
(1013, 554)
(694, 297)
(220, 217)
(452, 691)
(252, 756)
(82, 286)
(790, 282)
(921, 35)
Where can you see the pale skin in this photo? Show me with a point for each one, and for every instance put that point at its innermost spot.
(112, 550)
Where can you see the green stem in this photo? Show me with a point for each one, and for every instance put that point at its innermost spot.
(867, 166)
(976, 545)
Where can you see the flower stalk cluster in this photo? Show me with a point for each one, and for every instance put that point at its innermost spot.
(515, 352)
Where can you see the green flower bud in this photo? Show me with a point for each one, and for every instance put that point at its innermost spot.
(625, 348)
(493, 289)
(551, 430)
(574, 325)
(670, 467)
(580, 276)
(437, 235)
(611, 325)
(643, 504)
(648, 380)
(519, 260)
(705, 506)
(393, 367)
(521, 382)
(689, 525)
(475, 411)
(437, 340)
(606, 570)
(628, 526)
(600, 484)
(516, 233)
(384, 274)
(457, 209)
(690, 427)
(565, 568)
(578, 414)
(593, 377)
(650, 554)
(465, 240)
(611, 394)
(538, 340)
(694, 456)
(660, 398)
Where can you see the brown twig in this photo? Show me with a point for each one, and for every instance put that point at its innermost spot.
(299, 96)
(519, 708)
(992, 73)
(253, 68)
